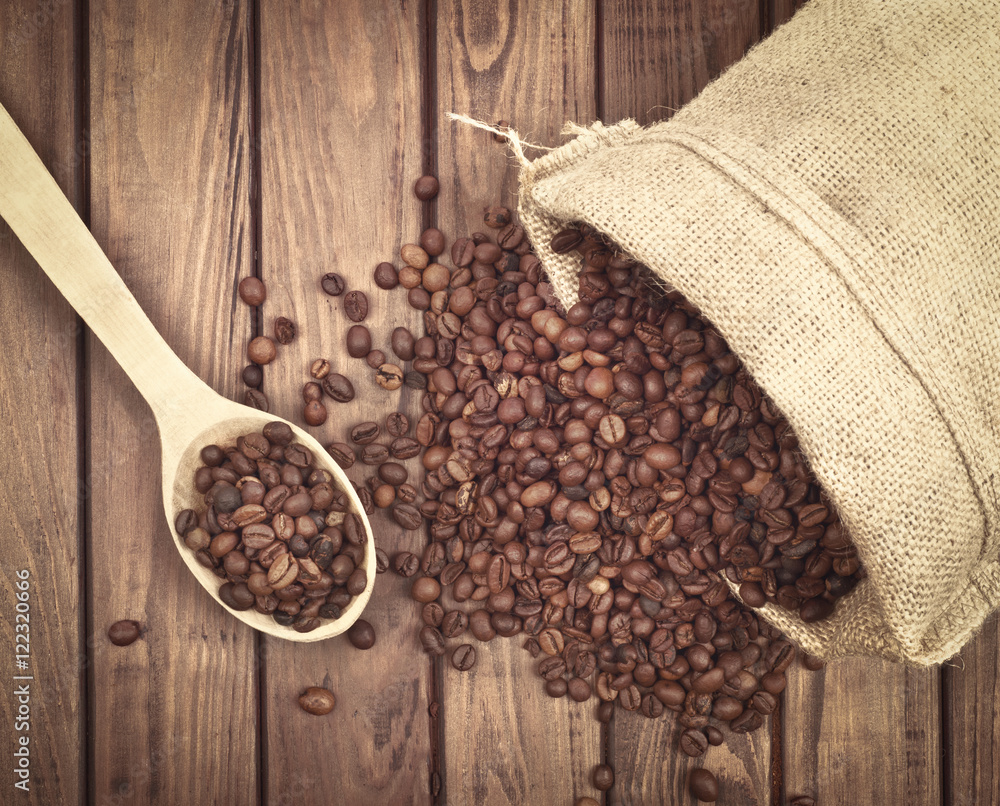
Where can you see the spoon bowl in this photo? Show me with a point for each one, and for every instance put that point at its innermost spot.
(189, 414)
(230, 421)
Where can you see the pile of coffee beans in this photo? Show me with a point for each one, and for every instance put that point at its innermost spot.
(601, 481)
(598, 480)
(595, 476)
(276, 530)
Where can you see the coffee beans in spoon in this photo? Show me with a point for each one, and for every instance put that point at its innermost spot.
(275, 529)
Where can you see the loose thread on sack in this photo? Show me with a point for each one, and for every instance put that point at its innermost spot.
(517, 145)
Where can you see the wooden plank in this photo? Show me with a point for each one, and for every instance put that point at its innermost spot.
(531, 64)
(650, 768)
(972, 720)
(173, 715)
(781, 11)
(656, 56)
(41, 543)
(831, 716)
(341, 127)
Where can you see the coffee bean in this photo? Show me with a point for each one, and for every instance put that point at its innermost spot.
(356, 582)
(463, 657)
(317, 701)
(314, 413)
(815, 609)
(278, 433)
(392, 473)
(333, 284)
(432, 640)
(579, 689)
(241, 597)
(125, 632)
(414, 257)
(693, 742)
(403, 343)
(361, 634)
(703, 785)
(284, 330)
(407, 516)
(186, 520)
(356, 306)
(556, 688)
(454, 623)
(432, 614)
(374, 454)
(397, 424)
(261, 350)
(342, 453)
(418, 298)
(386, 276)
(566, 240)
(389, 377)
(384, 496)
(426, 188)
(406, 564)
(812, 663)
(603, 777)
(252, 291)
(338, 387)
(365, 433)
(752, 594)
(359, 341)
(252, 376)
(432, 242)
(425, 589)
(496, 217)
(403, 448)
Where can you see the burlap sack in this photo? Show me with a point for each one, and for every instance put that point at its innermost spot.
(832, 205)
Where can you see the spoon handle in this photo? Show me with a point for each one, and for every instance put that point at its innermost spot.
(44, 220)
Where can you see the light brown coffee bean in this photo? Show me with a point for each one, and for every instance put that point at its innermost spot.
(317, 701)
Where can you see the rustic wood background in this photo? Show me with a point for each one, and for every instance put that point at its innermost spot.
(207, 140)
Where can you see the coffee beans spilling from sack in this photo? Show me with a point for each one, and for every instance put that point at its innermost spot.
(593, 479)
(276, 530)
(598, 480)
(751, 491)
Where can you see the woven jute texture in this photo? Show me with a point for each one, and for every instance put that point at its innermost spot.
(831, 204)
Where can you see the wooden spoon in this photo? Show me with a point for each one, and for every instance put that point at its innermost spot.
(188, 413)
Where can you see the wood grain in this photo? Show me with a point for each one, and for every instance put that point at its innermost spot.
(530, 64)
(352, 104)
(972, 720)
(40, 401)
(656, 56)
(863, 703)
(340, 141)
(533, 65)
(173, 715)
(781, 11)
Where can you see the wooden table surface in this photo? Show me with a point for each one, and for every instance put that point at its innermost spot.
(207, 140)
